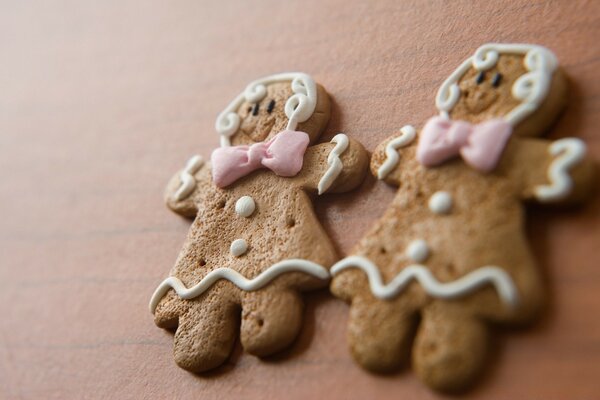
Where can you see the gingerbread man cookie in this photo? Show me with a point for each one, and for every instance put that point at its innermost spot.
(255, 242)
(450, 254)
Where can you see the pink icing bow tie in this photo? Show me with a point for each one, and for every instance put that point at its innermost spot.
(479, 145)
(283, 154)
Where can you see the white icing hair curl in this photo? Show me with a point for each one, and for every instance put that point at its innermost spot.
(530, 88)
(298, 108)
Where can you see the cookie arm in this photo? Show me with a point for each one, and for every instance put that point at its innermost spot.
(395, 155)
(184, 185)
(335, 167)
(554, 172)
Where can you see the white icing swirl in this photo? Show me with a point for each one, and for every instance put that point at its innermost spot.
(188, 182)
(531, 88)
(501, 281)
(265, 277)
(568, 152)
(407, 135)
(298, 108)
(334, 162)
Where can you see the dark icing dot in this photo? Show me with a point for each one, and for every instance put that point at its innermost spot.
(255, 110)
(271, 106)
(480, 77)
(497, 79)
(249, 109)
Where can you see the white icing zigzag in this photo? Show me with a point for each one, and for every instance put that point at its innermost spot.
(570, 151)
(334, 162)
(407, 135)
(188, 182)
(282, 267)
(447, 290)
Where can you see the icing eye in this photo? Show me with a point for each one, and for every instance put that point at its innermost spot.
(497, 79)
(255, 110)
(271, 106)
(249, 109)
(480, 77)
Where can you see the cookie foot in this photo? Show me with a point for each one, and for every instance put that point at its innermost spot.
(271, 320)
(380, 335)
(450, 347)
(205, 336)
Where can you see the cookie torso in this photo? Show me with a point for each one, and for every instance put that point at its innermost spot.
(281, 226)
(453, 220)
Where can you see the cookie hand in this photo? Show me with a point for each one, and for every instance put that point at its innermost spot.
(559, 171)
(394, 155)
(183, 186)
(335, 167)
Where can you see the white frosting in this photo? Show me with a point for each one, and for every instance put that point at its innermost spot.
(568, 152)
(188, 182)
(334, 162)
(418, 250)
(407, 135)
(282, 267)
(245, 206)
(531, 88)
(440, 203)
(501, 281)
(238, 247)
(298, 108)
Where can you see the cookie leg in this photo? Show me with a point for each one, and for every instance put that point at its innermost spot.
(206, 334)
(169, 309)
(379, 333)
(271, 320)
(450, 347)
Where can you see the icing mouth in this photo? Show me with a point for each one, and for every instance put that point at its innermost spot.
(258, 130)
(479, 100)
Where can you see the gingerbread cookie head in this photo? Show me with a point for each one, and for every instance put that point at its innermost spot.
(289, 101)
(520, 83)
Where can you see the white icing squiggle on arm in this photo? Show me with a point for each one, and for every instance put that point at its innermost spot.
(570, 152)
(282, 267)
(334, 162)
(188, 182)
(448, 290)
(407, 135)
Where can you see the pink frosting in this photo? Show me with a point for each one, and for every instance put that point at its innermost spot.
(283, 154)
(479, 145)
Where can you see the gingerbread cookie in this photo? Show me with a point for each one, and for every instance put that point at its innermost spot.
(255, 242)
(451, 248)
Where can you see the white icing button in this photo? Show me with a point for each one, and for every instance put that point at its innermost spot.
(418, 250)
(238, 247)
(245, 206)
(440, 203)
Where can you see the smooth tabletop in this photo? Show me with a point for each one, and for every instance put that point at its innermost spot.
(102, 101)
